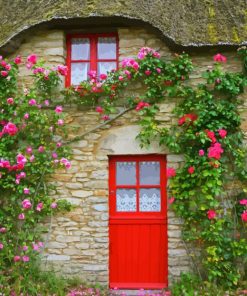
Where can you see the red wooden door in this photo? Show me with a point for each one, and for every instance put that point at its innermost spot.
(137, 223)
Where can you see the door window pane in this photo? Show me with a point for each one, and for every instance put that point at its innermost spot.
(104, 67)
(126, 173)
(149, 173)
(79, 72)
(80, 49)
(107, 48)
(126, 200)
(150, 200)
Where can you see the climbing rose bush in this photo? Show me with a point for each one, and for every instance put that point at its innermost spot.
(30, 151)
(207, 133)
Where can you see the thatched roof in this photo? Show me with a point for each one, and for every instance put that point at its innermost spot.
(184, 22)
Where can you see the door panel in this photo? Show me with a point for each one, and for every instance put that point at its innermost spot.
(137, 225)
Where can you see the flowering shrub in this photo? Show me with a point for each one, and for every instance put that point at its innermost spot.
(208, 134)
(29, 154)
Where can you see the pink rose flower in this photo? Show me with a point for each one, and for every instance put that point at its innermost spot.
(222, 133)
(59, 144)
(54, 155)
(35, 247)
(21, 159)
(158, 70)
(26, 116)
(243, 202)
(25, 258)
(191, 170)
(148, 72)
(65, 162)
(17, 60)
(4, 73)
(244, 216)
(32, 157)
(41, 244)
(99, 109)
(29, 150)
(39, 206)
(105, 117)
(63, 70)
(47, 103)
(21, 216)
(211, 214)
(8, 67)
(25, 248)
(120, 78)
(127, 72)
(10, 128)
(60, 122)
(129, 62)
(17, 258)
(22, 175)
(92, 74)
(32, 59)
(215, 151)
(26, 204)
(54, 205)
(41, 149)
(220, 58)
(170, 172)
(10, 101)
(32, 102)
(29, 66)
(26, 191)
(59, 109)
(1, 246)
(103, 76)
(3, 230)
(141, 105)
(171, 200)
(201, 152)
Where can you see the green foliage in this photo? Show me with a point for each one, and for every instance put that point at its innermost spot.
(208, 134)
(191, 285)
(29, 154)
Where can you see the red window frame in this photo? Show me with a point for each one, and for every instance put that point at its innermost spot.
(93, 52)
(113, 187)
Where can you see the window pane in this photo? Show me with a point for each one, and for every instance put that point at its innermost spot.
(126, 173)
(126, 200)
(150, 200)
(149, 173)
(107, 48)
(80, 49)
(104, 67)
(79, 72)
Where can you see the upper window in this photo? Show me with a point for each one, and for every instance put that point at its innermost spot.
(90, 52)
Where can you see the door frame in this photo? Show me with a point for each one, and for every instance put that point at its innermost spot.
(142, 217)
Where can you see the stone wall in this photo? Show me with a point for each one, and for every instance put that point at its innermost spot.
(77, 243)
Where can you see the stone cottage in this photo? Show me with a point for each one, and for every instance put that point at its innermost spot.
(112, 178)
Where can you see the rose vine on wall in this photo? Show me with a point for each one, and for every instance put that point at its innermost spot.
(208, 192)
